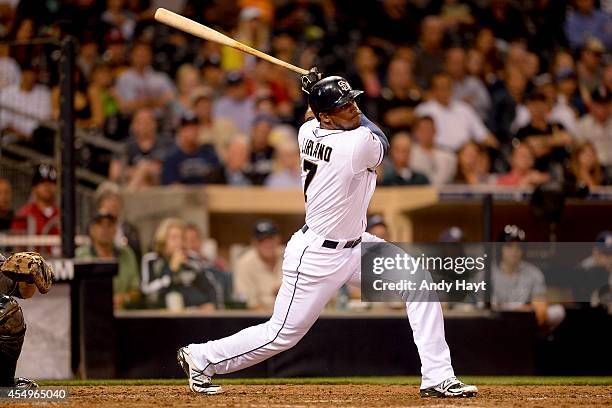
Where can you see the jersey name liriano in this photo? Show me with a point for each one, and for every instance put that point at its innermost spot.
(338, 178)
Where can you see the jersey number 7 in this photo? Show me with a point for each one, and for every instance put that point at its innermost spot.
(311, 168)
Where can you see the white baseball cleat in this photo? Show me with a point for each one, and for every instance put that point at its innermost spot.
(198, 381)
(450, 387)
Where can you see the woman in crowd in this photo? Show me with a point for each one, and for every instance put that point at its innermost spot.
(474, 165)
(522, 173)
(585, 166)
(170, 277)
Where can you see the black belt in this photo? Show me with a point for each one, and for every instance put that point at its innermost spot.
(328, 243)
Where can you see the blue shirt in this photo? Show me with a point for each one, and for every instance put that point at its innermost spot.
(580, 27)
(196, 168)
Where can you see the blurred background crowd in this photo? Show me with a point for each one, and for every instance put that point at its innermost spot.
(474, 92)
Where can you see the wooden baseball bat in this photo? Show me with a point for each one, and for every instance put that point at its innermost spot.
(199, 30)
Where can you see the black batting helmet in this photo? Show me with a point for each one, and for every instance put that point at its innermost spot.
(329, 93)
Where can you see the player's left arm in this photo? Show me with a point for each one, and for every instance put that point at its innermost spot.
(376, 131)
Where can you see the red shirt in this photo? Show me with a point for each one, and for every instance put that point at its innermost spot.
(32, 211)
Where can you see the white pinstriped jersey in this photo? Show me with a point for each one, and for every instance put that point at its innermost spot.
(338, 178)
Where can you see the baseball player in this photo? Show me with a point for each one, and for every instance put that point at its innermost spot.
(22, 273)
(339, 150)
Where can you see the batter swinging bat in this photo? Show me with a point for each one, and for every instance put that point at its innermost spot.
(199, 30)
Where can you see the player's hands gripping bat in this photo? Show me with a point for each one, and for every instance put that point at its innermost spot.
(311, 78)
(29, 267)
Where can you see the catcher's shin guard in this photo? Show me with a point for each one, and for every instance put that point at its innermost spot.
(12, 333)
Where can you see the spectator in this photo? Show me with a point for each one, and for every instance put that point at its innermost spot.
(10, 73)
(506, 22)
(399, 97)
(545, 21)
(585, 166)
(262, 152)
(87, 57)
(6, 204)
(214, 269)
(187, 81)
(116, 15)
(82, 108)
(41, 215)
(506, 104)
(547, 141)
(429, 54)
(367, 77)
(236, 104)
(585, 22)
(115, 53)
(288, 173)
(589, 67)
(596, 127)
(258, 275)
(145, 153)
(600, 266)
(456, 122)
(485, 45)
(215, 131)
(253, 31)
(438, 165)
(377, 226)
(466, 88)
(522, 173)
(103, 98)
(568, 103)
(126, 284)
(140, 86)
(188, 162)
(109, 201)
(29, 104)
(236, 166)
(519, 285)
(397, 170)
(473, 166)
(169, 272)
(393, 21)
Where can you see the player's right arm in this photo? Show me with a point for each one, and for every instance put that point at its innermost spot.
(370, 147)
(376, 130)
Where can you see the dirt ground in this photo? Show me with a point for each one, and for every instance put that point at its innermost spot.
(293, 396)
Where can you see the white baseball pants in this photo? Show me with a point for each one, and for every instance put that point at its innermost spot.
(312, 275)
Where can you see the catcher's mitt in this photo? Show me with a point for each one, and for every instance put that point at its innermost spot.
(29, 267)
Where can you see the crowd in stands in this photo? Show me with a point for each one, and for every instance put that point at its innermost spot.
(496, 92)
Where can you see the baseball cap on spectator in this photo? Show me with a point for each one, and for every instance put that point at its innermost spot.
(603, 242)
(565, 73)
(44, 172)
(543, 79)
(265, 117)
(114, 36)
(512, 233)
(374, 220)
(188, 118)
(211, 61)
(452, 234)
(234, 78)
(264, 229)
(601, 95)
(594, 45)
(250, 13)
